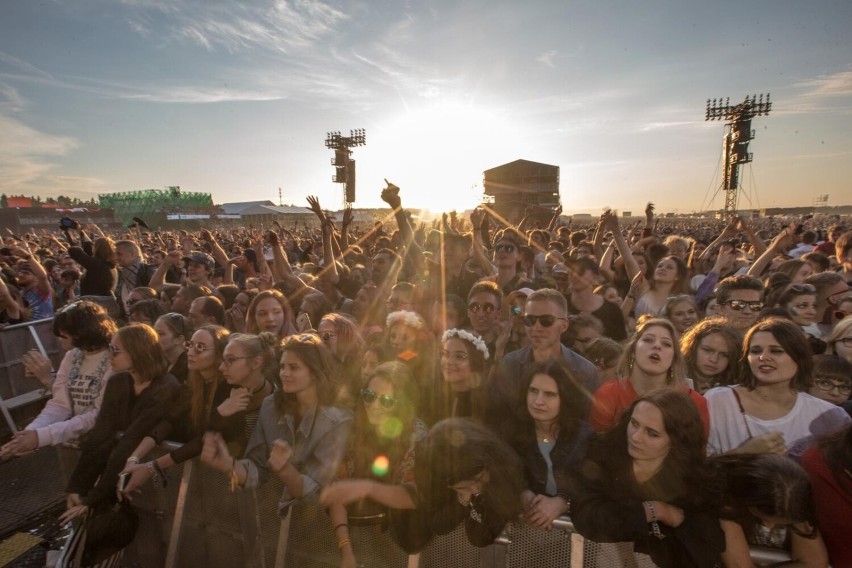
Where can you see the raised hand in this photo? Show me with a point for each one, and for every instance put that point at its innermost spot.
(314, 204)
(347, 215)
(390, 195)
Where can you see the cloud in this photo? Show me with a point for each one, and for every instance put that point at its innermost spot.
(22, 65)
(9, 97)
(283, 26)
(547, 58)
(836, 84)
(25, 153)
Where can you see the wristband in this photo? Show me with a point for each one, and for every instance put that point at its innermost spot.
(343, 543)
(234, 480)
(655, 526)
(340, 525)
(133, 459)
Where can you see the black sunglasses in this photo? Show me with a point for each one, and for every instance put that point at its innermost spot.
(545, 321)
(740, 305)
(369, 396)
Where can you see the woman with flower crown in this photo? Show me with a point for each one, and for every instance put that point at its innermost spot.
(462, 390)
(409, 341)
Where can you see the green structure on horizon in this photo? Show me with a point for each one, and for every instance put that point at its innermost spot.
(153, 205)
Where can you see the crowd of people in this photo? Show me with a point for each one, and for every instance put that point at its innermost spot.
(681, 386)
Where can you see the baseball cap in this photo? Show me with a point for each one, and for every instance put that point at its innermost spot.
(200, 257)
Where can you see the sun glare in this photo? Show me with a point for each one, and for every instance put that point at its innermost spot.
(437, 154)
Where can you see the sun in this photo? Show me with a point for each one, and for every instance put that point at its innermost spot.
(437, 154)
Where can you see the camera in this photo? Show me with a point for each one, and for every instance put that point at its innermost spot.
(68, 223)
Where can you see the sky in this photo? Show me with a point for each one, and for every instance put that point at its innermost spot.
(236, 98)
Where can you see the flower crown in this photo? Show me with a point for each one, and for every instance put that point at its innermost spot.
(411, 319)
(469, 337)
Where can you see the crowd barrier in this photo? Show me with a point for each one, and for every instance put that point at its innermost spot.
(16, 389)
(195, 521)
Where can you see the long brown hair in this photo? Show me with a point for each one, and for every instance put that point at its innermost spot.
(318, 359)
(143, 347)
(201, 395)
(289, 326)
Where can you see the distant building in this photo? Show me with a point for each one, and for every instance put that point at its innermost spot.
(515, 187)
(26, 219)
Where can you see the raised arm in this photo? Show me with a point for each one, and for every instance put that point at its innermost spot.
(610, 221)
(477, 218)
(777, 246)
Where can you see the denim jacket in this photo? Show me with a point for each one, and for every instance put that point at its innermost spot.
(319, 443)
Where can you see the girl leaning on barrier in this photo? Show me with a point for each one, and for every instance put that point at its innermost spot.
(463, 474)
(551, 436)
(380, 450)
(137, 397)
(226, 389)
(767, 500)
(300, 435)
(646, 481)
(84, 330)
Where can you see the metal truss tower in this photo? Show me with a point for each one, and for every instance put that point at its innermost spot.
(738, 134)
(342, 161)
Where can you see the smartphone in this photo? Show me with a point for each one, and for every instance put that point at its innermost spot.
(123, 478)
(303, 323)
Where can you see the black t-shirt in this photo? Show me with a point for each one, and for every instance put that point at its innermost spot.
(611, 317)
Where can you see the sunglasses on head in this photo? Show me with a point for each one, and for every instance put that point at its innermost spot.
(505, 248)
(802, 288)
(545, 321)
(369, 396)
(476, 306)
(740, 305)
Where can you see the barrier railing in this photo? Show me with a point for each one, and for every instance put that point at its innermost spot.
(16, 389)
(198, 522)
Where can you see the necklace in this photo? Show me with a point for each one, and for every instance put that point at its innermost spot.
(260, 388)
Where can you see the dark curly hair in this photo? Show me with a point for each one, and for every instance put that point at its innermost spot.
(768, 485)
(87, 324)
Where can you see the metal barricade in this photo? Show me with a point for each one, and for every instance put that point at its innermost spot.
(16, 389)
(198, 522)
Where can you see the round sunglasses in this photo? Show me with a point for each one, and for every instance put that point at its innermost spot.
(369, 396)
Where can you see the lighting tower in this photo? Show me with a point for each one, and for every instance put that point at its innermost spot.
(343, 163)
(738, 134)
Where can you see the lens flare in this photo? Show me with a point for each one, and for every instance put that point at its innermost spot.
(392, 428)
(381, 465)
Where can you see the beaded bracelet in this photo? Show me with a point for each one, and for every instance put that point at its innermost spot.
(150, 465)
(655, 526)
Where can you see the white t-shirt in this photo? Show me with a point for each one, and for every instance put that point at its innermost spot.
(77, 396)
(809, 419)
